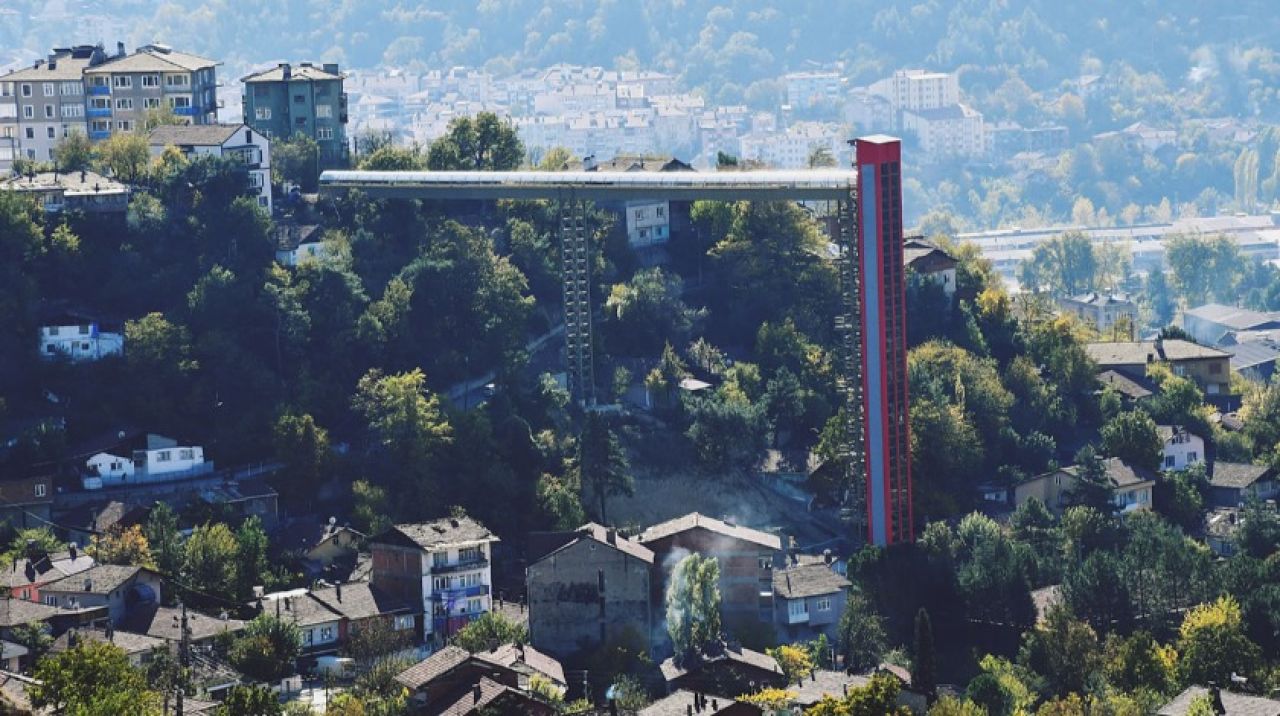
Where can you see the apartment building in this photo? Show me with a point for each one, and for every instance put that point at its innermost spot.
(42, 104)
(918, 90)
(443, 568)
(951, 131)
(120, 91)
(285, 101)
(806, 90)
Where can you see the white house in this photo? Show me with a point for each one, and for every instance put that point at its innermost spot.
(648, 223)
(236, 141)
(147, 458)
(296, 244)
(1182, 448)
(79, 338)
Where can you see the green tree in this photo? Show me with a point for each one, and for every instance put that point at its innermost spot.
(490, 631)
(951, 706)
(267, 648)
(1137, 662)
(370, 507)
(878, 698)
(860, 636)
(125, 154)
(560, 498)
(73, 153)
(1132, 437)
(37, 637)
(303, 447)
(1065, 265)
(602, 463)
(161, 531)
(372, 639)
(252, 567)
(250, 700)
(92, 679)
(481, 143)
(728, 432)
(693, 606)
(1062, 650)
(388, 158)
(924, 658)
(1212, 644)
(407, 426)
(646, 312)
(1204, 266)
(122, 546)
(210, 560)
(1092, 486)
(296, 160)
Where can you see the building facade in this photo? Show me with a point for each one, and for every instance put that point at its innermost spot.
(234, 141)
(918, 90)
(441, 568)
(1181, 447)
(1210, 368)
(944, 132)
(78, 338)
(121, 91)
(84, 191)
(43, 104)
(147, 458)
(1132, 487)
(1110, 314)
(808, 601)
(882, 288)
(589, 592)
(307, 100)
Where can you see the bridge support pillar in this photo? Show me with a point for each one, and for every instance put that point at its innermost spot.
(575, 265)
(849, 380)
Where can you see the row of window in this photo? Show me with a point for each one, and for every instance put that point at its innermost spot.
(323, 111)
(439, 584)
(797, 607)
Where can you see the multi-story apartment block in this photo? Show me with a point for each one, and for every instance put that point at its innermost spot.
(809, 89)
(121, 91)
(42, 104)
(285, 101)
(443, 568)
(918, 90)
(952, 131)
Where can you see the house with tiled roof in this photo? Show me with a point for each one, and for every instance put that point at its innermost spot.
(683, 702)
(1232, 484)
(120, 588)
(441, 568)
(446, 681)
(1104, 312)
(726, 669)
(1132, 485)
(140, 648)
(121, 91)
(1180, 448)
(1209, 367)
(236, 142)
(808, 600)
(25, 576)
(165, 623)
(929, 261)
(595, 587)
(1226, 703)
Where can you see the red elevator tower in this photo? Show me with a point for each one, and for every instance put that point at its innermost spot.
(882, 295)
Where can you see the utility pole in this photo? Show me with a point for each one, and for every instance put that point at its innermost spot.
(183, 660)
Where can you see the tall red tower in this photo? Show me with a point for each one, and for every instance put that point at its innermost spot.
(883, 315)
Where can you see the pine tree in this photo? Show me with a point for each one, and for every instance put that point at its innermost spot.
(924, 672)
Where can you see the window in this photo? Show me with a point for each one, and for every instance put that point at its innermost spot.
(177, 80)
(72, 111)
(72, 89)
(164, 456)
(26, 90)
(471, 580)
(99, 103)
(28, 111)
(795, 607)
(326, 633)
(469, 554)
(473, 606)
(1168, 462)
(40, 489)
(186, 454)
(179, 102)
(1215, 368)
(403, 621)
(125, 126)
(824, 604)
(6, 89)
(439, 559)
(262, 113)
(660, 212)
(100, 125)
(98, 81)
(50, 132)
(151, 102)
(121, 81)
(299, 99)
(1192, 457)
(51, 600)
(324, 133)
(439, 584)
(307, 637)
(31, 133)
(48, 111)
(124, 103)
(151, 80)
(53, 330)
(324, 111)
(50, 89)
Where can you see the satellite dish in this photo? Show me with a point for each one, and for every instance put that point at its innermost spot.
(333, 521)
(120, 435)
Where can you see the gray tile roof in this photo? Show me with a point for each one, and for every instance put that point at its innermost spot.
(1126, 386)
(1121, 473)
(1231, 316)
(358, 600)
(1138, 352)
(735, 654)
(601, 534)
(153, 60)
(130, 642)
(195, 135)
(1237, 475)
(680, 703)
(1235, 704)
(520, 657)
(433, 667)
(440, 534)
(807, 580)
(694, 520)
(65, 68)
(72, 183)
(1253, 353)
(164, 623)
(297, 73)
(102, 579)
(826, 683)
(18, 611)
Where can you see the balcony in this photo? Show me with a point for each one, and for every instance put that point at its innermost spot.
(459, 566)
(186, 111)
(98, 90)
(452, 595)
(96, 135)
(98, 113)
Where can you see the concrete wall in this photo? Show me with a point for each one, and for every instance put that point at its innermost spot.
(568, 609)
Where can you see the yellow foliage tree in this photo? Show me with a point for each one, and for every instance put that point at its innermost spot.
(770, 699)
(795, 662)
(122, 546)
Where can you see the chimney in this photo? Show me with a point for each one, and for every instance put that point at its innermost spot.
(715, 705)
(286, 71)
(475, 693)
(331, 68)
(612, 536)
(71, 550)
(337, 591)
(119, 49)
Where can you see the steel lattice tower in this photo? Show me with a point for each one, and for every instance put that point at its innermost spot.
(575, 265)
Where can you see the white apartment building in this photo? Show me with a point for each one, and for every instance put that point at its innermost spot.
(648, 223)
(236, 141)
(792, 148)
(443, 567)
(944, 132)
(78, 338)
(918, 90)
(809, 89)
(1103, 311)
(1181, 448)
